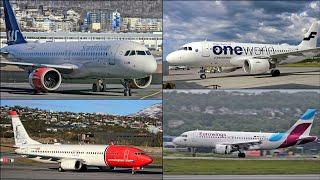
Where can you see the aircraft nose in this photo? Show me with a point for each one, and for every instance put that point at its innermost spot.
(176, 141)
(172, 58)
(152, 66)
(147, 160)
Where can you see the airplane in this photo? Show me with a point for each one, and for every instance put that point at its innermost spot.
(48, 63)
(77, 157)
(226, 142)
(217, 57)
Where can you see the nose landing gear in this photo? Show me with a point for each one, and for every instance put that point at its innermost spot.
(99, 86)
(127, 89)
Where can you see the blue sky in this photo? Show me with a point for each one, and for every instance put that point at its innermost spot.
(116, 107)
(238, 21)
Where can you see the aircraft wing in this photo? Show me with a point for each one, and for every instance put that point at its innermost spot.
(63, 67)
(296, 55)
(245, 144)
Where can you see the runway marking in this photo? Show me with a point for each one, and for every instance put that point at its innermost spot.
(153, 94)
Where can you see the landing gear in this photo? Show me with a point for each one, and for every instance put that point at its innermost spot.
(193, 152)
(127, 90)
(275, 72)
(202, 73)
(241, 155)
(60, 168)
(98, 86)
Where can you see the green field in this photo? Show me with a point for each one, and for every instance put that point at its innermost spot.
(231, 167)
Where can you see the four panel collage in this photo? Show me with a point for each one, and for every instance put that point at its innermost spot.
(159, 89)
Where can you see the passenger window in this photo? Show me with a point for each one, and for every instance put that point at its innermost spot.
(133, 53)
(196, 50)
(141, 53)
(127, 53)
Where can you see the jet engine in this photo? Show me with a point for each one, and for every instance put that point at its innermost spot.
(45, 79)
(140, 83)
(256, 66)
(223, 149)
(71, 164)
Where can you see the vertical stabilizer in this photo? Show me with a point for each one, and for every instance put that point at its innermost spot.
(310, 38)
(21, 136)
(14, 35)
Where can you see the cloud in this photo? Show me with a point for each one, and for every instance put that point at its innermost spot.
(238, 21)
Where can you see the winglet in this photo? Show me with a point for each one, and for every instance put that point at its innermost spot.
(309, 114)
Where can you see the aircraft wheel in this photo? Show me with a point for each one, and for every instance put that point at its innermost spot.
(203, 76)
(60, 169)
(241, 155)
(275, 72)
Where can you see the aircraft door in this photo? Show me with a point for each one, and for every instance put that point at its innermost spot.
(112, 54)
(126, 154)
(205, 49)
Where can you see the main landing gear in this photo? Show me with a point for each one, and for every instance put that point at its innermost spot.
(202, 73)
(275, 72)
(241, 155)
(99, 86)
(127, 89)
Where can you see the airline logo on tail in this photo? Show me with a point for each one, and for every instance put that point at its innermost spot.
(311, 35)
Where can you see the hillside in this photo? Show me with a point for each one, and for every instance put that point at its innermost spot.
(271, 111)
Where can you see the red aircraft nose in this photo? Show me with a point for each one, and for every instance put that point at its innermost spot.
(147, 160)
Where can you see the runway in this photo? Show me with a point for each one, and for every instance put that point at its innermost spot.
(244, 177)
(23, 90)
(241, 159)
(290, 78)
(49, 172)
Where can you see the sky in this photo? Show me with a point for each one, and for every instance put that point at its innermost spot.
(115, 107)
(237, 21)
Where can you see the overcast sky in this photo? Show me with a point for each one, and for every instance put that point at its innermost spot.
(239, 21)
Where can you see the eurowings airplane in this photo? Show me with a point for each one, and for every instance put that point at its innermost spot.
(48, 63)
(77, 157)
(226, 142)
(253, 58)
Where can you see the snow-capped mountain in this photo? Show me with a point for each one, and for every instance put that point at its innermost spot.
(154, 111)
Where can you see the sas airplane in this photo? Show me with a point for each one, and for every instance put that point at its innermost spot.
(253, 58)
(48, 63)
(226, 142)
(77, 157)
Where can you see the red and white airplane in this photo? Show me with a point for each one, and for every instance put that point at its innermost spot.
(77, 157)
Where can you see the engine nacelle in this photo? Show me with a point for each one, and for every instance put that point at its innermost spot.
(45, 79)
(223, 149)
(140, 83)
(226, 69)
(71, 164)
(256, 66)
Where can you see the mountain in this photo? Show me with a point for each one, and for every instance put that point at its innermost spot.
(154, 111)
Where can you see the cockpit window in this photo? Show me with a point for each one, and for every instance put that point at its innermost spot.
(133, 53)
(190, 48)
(184, 135)
(127, 53)
(141, 53)
(148, 52)
(185, 48)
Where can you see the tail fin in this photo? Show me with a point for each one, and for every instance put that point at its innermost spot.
(21, 136)
(303, 125)
(310, 38)
(14, 35)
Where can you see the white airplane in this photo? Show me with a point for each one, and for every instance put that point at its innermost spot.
(49, 62)
(226, 142)
(253, 58)
(77, 157)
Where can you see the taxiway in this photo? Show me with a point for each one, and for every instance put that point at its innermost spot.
(290, 78)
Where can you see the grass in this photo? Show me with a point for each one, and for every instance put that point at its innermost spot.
(305, 63)
(231, 167)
